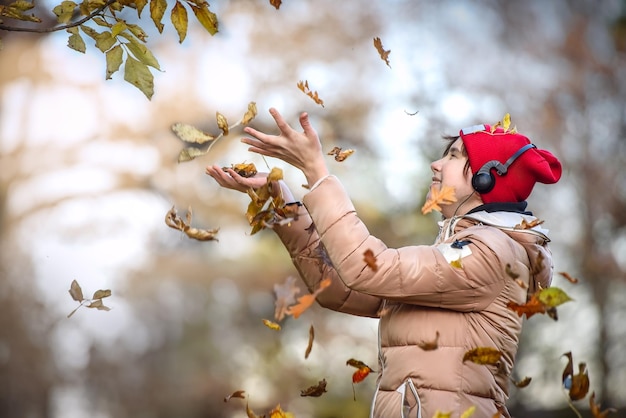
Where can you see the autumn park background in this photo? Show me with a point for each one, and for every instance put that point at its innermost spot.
(89, 170)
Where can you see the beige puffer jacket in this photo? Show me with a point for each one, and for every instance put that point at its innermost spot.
(416, 292)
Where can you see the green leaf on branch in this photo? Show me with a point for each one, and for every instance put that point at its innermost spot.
(64, 11)
(76, 41)
(114, 60)
(157, 11)
(140, 4)
(137, 31)
(138, 74)
(207, 18)
(180, 20)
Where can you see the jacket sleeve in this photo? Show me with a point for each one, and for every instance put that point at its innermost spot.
(310, 258)
(418, 275)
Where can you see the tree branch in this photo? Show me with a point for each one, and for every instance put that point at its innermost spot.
(63, 27)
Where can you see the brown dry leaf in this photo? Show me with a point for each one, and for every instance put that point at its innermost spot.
(315, 391)
(276, 3)
(191, 134)
(568, 277)
(483, 355)
(580, 383)
(522, 383)
(305, 302)
(235, 394)
(384, 55)
(174, 221)
(243, 169)
(430, 345)
(251, 413)
(509, 271)
(594, 407)
(340, 155)
(370, 259)
(438, 196)
(285, 297)
(76, 292)
(304, 86)
(528, 225)
(309, 346)
(271, 325)
(99, 305)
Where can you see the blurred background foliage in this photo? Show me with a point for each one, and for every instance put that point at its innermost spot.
(88, 172)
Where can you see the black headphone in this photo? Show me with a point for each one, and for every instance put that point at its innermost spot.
(484, 181)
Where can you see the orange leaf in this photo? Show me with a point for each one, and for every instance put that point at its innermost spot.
(370, 259)
(595, 408)
(438, 196)
(304, 86)
(305, 302)
(384, 55)
(568, 277)
(528, 225)
(430, 345)
(533, 306)
(363, 370)
(339, 154)
(522, 383)
(276, 3)
(580, 383)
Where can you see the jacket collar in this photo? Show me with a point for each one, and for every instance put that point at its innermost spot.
(517, 207)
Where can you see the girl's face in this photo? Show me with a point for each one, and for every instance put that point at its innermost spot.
(450, 171)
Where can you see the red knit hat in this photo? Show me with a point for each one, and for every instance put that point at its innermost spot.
(484, 143)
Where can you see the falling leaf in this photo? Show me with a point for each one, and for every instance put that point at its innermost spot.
(439, 414)
(279, 413)
(276, 3)
(528, 225)
(568, 277)
(456, 263)
(438, 196)
(174, 221)
(95, 302)
(250, 113)
(509, 271)
(483, 355)
(340, 155)
(568, 371)
(595, 408)
(363, 370)
(243, 169)
(304, 86)
(235, 394)
(191, 134)
(522, 383)
(430, 345)
(76, 292)
(315, 391)
(506, 122)
(249, 412)
(370, 259)
(552, 297)
(285, 296)
(521, 283)
(309, 346)
(580, 383)
(271, 325)
(468, 412)
(305, 302)
(384, 55)
(531, 307)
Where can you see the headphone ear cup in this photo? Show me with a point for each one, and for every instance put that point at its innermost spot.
(483, 182)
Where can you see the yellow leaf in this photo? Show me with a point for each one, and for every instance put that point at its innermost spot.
(207, 18)
(553, 297)
(75, 41)
(157, 10)
(104, 41)
(468, 412)
(141, 52)
(118, 28)
(114, 60)
(191, 134)
(137, 31)
(483, 355)
(138, 74)
(271, 325)
(222, 122)
(456, 263)
(506, 122)
(304, 86)
(140, 4)
(250, 113)
(180, 20)
(64, 11)
(438, 196)
(440, 414)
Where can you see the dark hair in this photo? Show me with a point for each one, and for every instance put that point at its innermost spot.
(451, 140)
